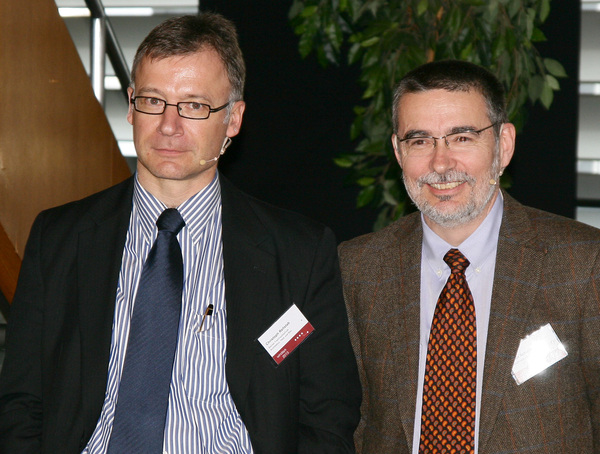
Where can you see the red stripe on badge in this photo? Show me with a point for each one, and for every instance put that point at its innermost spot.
(293, 343)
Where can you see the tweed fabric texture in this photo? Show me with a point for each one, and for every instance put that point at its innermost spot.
(547, 271)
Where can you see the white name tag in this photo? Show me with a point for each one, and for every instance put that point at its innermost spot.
(537, 352)
(286, 334)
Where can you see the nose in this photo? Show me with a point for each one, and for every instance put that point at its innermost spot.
(443, 138)
(441, 159)
(170, 121)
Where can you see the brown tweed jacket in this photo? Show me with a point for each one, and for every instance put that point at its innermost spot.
(547, 271)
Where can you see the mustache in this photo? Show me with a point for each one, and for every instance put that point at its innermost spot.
(447, 177)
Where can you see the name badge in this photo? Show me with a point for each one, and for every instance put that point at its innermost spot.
(537, 352)
(286, 334)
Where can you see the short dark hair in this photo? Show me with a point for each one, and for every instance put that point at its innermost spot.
(189, 34)
(454, 75)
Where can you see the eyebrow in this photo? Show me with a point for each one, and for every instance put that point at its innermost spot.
(150, 91)
(158, 93)
(422, 133)
(415, 133)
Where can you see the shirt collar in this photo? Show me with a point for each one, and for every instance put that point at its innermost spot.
(478, 248)
(195, 211)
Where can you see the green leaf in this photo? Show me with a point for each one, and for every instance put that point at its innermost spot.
(499, 46)
(359, 110)
(343, 162)
(365, 196)
(309, 11)
(305, 45)
(547, 96)
(544, 10)
(354, 53)
(536, 85)
(554, 67)
(530, 22)
(296, 9)
(334, 34)
(422, 7)
(365, 181)
(492, 10)
(356, 128)
(370, 42)
(454, 20)
(391, 193)
(513, 7)
(552, 82)
(538, 36)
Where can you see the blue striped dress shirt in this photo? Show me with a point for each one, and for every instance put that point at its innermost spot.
(201, 416)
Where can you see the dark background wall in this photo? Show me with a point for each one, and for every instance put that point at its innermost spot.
(544, 166)
(298, 117)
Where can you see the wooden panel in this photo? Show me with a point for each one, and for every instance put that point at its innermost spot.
(55, 142)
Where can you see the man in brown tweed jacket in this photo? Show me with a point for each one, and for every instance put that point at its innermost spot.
(534, 277)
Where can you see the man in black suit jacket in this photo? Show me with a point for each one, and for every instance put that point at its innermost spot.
(53, 388)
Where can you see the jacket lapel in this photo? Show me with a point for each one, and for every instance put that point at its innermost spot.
(99, 255)
(406, 261)
(519, 263)
(251, 281)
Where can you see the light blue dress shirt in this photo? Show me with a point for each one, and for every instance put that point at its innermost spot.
(480, 249)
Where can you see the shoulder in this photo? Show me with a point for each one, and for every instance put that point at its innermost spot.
(245, 212)
(547, 229)
(88, 210)
(406, 229)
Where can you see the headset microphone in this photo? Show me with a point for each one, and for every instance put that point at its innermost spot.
(226, 143)
(206, 161)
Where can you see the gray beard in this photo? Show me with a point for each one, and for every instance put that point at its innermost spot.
(464, 214)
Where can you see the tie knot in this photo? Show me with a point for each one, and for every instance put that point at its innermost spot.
(456, 261)
(170, 220)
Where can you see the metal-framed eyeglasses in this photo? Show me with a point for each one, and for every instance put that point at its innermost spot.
(187, 109)
(466, 140)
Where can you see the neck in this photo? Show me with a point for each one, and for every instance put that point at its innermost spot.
(173, 192)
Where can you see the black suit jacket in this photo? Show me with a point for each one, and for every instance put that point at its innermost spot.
(55, 372)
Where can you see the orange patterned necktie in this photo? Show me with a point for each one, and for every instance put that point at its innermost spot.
(448, 417)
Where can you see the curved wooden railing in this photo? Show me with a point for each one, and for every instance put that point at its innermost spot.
(55, 142)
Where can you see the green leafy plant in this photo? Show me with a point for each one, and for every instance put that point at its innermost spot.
(389, 38)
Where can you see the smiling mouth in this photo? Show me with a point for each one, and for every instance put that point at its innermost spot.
(450, 185)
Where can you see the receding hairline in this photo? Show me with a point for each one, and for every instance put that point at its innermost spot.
(158, 56)
(467, 91)
(190, 34)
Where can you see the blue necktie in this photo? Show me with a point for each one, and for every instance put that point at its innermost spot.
(141, 410)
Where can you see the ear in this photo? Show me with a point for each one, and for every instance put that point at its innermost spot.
(130, 111)
(397, 151)
(508, 136)
(235, 119)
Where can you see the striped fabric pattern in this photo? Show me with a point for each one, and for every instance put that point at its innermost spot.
(201, 417)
